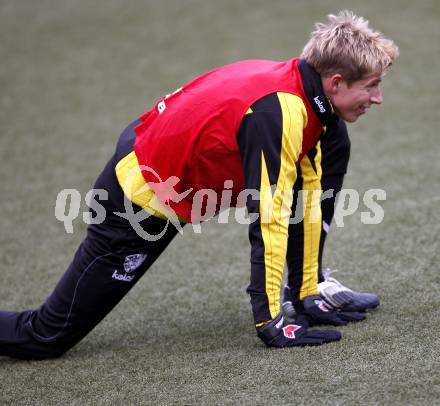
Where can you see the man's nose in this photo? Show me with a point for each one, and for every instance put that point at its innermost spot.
(376, 96)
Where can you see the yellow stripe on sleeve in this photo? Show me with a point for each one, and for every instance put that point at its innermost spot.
(275, 209)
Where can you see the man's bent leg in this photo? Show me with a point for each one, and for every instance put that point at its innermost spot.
(335, 152)
(330, 162)
(335, 147)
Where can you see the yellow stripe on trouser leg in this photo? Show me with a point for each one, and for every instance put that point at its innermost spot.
(275, 210)
(311, 225)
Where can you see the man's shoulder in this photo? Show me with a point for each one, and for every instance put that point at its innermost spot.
(276, 103)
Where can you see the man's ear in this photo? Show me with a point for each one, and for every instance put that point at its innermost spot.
(332, 83)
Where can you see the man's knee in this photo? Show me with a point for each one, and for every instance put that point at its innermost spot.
(344, 144)
(335, 148)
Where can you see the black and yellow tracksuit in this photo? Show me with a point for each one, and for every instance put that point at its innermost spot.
(113, 257)
(286, 230)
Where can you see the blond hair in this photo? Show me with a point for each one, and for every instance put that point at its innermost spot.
(345, 44)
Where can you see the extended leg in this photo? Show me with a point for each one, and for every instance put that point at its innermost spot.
(106, 266)
(93, 284)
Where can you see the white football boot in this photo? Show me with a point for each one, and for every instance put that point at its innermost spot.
(336, 295)
(342, 298)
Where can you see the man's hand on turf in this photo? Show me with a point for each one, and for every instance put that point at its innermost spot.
(276, 334)
(317, 311)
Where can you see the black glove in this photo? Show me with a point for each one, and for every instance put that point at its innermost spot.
(318, 312)
(276, 334)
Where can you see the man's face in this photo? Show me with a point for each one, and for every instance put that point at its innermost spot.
(351, 101)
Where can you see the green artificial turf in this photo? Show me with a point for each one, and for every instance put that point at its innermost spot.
(74, 73)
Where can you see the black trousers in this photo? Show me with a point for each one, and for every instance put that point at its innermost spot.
(335, 150)
(108, 263)
(335, 155)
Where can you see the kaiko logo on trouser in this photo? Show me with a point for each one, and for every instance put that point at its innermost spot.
(131, 263)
